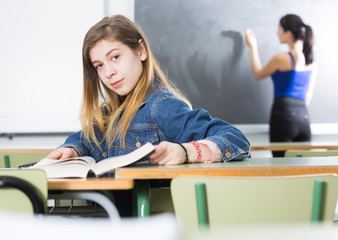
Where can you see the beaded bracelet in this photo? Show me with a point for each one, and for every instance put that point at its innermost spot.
(198, 151)
(186, 153)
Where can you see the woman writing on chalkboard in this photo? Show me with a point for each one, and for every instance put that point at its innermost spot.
(293, 75)
(128, 101)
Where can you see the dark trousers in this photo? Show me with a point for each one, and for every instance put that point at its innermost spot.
(289, 122)
(123, 202)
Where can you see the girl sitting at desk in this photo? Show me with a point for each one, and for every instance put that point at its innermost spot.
(128, 101)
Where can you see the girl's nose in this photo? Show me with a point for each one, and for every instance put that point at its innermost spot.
(110, 71)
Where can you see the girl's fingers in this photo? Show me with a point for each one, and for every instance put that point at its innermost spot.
(158, 154)
(167, 153)
(57, 154)
(62, 153)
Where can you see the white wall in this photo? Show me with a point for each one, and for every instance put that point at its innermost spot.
(41, 63)
(124, 7)
(41, 66)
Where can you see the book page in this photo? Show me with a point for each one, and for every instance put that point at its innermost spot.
(46, 161)
(124, 160)
(79, 167)
(67, 168)
(74, 169)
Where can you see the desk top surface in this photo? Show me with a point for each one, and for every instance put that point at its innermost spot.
(248, 167)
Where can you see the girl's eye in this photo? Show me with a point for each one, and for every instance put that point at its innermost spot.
(115, 57)
(98, 66)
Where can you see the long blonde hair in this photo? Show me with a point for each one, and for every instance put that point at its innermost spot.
(101, 107)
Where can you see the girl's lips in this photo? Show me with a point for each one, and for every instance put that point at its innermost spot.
(117, 83)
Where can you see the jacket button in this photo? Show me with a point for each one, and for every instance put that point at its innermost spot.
(104, 154)
(138, 144)
(228, 155)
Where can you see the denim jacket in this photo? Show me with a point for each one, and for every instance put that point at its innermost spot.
(164, 117)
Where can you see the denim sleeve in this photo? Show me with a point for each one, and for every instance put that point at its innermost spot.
(78, 142)
(178, 123)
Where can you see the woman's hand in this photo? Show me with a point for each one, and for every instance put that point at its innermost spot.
(250, 38)
(167, 153)
(63, 153)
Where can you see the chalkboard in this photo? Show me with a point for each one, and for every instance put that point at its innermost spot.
(200, 45)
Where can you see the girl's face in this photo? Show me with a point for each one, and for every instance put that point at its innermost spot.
(118, 67)
(281, 34)
(284, 36)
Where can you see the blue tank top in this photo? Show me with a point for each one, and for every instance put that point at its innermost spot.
(291, 83)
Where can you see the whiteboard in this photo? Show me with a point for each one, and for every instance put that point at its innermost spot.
(41, 63)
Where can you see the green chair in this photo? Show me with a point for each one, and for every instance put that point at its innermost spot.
(23, 190)
(160, 201)
(15, 159)
(233, 200)
(309, 153)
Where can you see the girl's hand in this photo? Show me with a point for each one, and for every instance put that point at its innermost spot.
(63, 153)
(167, 153)
(250, 38)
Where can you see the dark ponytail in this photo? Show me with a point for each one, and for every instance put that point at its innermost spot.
(300, 31)
(308, 45)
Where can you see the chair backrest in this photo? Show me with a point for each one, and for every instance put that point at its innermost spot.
(309, 153)
(15, 159)
(232, 200)
(23, 190)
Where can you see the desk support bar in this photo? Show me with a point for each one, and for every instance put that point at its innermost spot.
(142, 198)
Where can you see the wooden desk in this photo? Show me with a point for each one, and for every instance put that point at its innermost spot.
(248, 167)
(32, 151)
(89, 189)
(89, 184)
(284, 146)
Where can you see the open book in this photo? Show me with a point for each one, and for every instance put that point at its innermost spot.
(81, 167)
